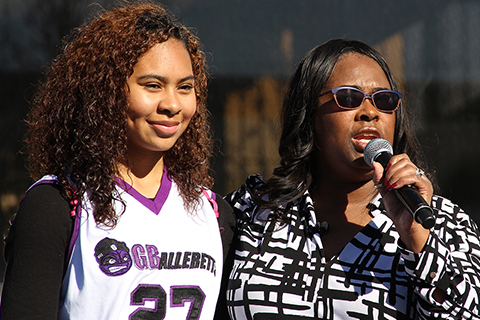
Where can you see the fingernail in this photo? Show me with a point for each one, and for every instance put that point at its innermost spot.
(386, 184)
(388, 167)
(392, 186)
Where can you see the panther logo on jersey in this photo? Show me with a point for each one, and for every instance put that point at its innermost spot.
(113, 257)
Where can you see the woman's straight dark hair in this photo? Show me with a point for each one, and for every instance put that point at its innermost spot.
(294, 176)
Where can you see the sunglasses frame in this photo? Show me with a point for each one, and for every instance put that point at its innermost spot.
(365, 96)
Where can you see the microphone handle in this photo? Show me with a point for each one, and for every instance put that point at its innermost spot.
(416, 205)
(411, 198)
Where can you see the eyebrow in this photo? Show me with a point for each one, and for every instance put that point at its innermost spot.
(164, 79)
(375, 89)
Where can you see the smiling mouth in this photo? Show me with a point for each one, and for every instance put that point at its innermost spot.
(166, 129)
(116, 268)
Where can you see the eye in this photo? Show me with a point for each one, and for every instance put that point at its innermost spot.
(109, 260)
(186, 87)
(153, 85)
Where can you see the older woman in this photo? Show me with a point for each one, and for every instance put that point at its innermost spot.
(325, 237)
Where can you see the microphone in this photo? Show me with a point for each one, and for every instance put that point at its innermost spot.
(380, 150)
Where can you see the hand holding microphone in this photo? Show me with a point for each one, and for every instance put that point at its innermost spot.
(381, 151)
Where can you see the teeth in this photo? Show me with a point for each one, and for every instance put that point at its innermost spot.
(115, 269)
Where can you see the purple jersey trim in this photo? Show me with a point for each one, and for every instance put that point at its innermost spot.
(157, 203)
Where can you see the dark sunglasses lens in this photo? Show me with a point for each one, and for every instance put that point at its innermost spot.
(386, 101)
(349, 98)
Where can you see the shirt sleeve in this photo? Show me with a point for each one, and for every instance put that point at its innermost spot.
(240, 204)
(35, 254)
(450, 261)
(241, 199)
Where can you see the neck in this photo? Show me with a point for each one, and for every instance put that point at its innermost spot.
(144, 172)
(344, 207)
(346, 202)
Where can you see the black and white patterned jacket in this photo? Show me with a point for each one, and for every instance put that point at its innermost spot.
(280, 271)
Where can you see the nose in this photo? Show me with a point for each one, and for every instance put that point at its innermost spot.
(169, 103)
(367, 110)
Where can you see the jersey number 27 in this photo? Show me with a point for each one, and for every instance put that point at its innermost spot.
(179, 295)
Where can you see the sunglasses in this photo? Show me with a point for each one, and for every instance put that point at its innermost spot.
(351, 98)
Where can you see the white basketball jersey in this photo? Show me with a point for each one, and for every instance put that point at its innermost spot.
(159, 262)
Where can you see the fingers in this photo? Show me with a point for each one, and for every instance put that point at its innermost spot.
(377, 174)
(401, 171)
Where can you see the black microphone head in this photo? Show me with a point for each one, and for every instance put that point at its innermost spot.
(375, 147)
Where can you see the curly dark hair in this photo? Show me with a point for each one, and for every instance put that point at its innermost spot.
(77, 124)
(295, 174)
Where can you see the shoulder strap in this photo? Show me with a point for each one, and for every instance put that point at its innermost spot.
(75, 214)
(212, 201)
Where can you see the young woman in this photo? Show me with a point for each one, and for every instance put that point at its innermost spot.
(121, 223)
(326, 237)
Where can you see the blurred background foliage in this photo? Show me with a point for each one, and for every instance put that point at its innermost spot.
(432, 46)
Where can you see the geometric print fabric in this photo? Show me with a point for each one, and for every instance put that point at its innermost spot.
(280, 271)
